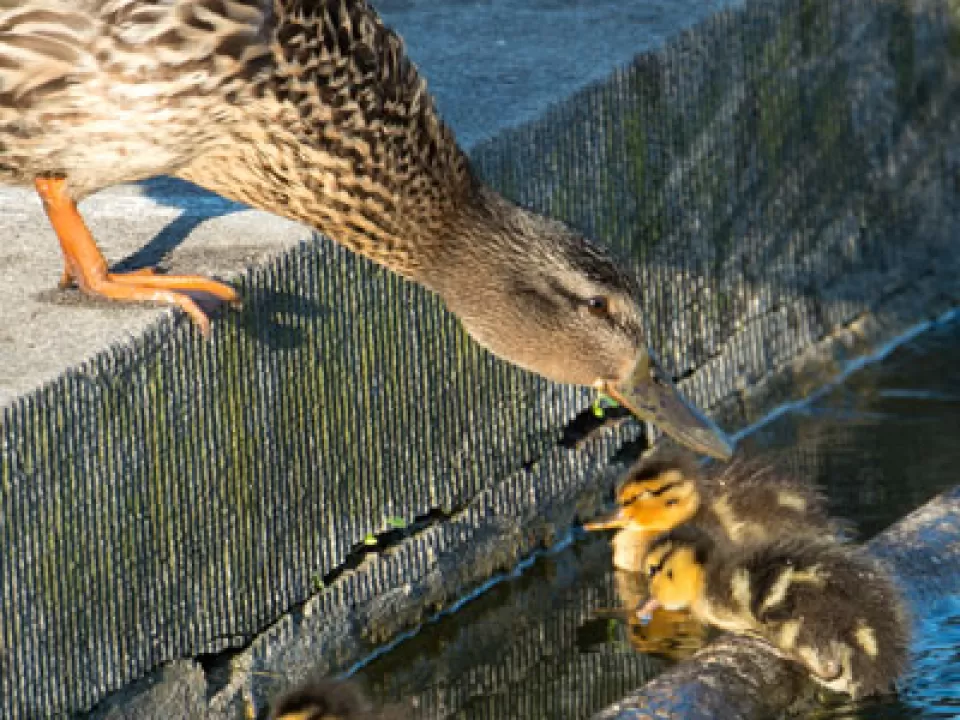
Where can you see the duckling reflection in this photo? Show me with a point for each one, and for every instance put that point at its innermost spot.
(824, 605)
(669, 634)
(742, 503)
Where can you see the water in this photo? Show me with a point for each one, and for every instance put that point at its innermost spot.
(551, 643)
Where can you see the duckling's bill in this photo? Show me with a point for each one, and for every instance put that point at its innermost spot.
(650, 395)
(613, 522)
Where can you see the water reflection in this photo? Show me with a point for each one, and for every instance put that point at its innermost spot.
(555, 643)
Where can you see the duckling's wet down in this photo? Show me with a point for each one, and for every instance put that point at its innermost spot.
(755, 183)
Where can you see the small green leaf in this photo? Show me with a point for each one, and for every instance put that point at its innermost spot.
(597, 408)
(611, 630)
(318, 583)
(397, 523)
(603, 402)
(370, 539)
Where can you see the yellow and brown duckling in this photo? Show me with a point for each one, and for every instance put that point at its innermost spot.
(325, 699)
(740, 503)
(313, 111)
(824, 605)
(666, 634)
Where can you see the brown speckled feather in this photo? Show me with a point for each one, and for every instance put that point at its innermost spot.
(117, 91)
(309, 109)
(359, 130)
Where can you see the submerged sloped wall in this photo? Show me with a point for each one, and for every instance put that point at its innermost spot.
(779, 173)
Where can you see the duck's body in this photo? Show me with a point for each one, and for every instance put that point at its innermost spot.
(306, 109)
(819, 603)
(739, 504)
(309, 109)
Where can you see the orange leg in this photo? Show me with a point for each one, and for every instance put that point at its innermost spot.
(85, 264)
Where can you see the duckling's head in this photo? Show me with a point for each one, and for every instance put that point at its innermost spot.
(655, 497)
(538, 294)
(676, 573)
(660, 503)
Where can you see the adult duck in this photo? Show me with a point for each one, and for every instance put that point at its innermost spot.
(311, 110)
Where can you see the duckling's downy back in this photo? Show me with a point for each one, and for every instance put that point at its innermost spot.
(828, 606)
(749, 501)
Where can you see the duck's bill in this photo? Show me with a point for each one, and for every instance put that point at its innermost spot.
(613, 522)
(650, 395)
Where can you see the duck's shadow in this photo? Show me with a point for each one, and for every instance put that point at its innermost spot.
(196, 206)
(275, 317)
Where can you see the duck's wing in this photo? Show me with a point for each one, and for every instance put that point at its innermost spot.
(48, 47)
(107, 92)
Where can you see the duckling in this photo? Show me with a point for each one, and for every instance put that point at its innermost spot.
(740, 503)
(824, 605)
(324, 699)
(668, 634)
(313, 111)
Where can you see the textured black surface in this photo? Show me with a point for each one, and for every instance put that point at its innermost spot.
(774, 173)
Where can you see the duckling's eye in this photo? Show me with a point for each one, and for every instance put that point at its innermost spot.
(672, 501)
(669, 574)
(598, 306)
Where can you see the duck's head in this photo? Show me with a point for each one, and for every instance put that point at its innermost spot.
(655, 497)
(541, 296)
(675, 571)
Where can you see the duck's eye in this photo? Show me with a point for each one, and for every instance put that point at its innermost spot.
(672, 501)
(599, 306)
(669, 574)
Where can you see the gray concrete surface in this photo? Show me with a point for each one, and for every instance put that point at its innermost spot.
(492, 65)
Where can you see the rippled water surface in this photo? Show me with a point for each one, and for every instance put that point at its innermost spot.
(550, 642)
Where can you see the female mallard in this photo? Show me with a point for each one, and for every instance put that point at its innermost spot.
(309, 109)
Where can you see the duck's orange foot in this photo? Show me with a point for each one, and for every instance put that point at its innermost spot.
(147, 286)
(86, 266)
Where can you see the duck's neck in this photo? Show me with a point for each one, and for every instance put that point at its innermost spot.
(436, 225)
(340, 133)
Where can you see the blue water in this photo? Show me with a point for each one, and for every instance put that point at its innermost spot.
(550, 641)
(933, 688)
